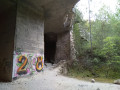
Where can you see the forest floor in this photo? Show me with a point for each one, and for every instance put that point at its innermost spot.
(51, 79)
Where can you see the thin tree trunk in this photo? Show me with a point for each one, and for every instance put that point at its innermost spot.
(90, 25)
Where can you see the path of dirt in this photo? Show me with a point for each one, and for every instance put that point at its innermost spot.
(50, 79)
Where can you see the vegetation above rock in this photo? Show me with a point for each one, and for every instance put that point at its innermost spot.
(103, 60)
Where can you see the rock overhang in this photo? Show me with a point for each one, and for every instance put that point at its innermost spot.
(55, 11)
(22, 25)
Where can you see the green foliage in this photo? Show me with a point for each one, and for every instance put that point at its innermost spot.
(79, 27)
(108, 49)
(104, 60)
(78, 16)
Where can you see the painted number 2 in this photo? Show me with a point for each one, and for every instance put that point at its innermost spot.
(21, 70)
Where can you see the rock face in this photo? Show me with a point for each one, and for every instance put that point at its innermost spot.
(93, 80)
(29, 40)
(117, 81)
(7, 31)
(25, 24)
(56, 12)
(63, 47)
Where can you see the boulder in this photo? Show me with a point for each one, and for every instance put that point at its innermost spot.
(117, 81)
(93, 80)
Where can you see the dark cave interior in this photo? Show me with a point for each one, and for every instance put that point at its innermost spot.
(50, 40)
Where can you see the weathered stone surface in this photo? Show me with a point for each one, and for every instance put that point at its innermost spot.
(29, 40)
(7, 31)
(55, 13)
(117, 81)
(63, 47)
(5, 4)
(29, 35)
(72, 46)
(34, 18)
(93, 80)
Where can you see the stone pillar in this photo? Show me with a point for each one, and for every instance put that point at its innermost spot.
(7, 31)
(63, 47)
(72, 46)
(29, 40)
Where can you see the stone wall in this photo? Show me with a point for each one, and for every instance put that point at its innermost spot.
(29, 40)
(22, 32)
(63, 46)
(72, 46)
(7, 31)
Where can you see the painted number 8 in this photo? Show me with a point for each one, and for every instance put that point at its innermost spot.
(39, 65)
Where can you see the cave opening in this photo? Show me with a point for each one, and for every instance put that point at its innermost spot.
(50, 40)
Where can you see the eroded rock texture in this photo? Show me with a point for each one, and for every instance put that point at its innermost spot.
(55, 13)
(57, 19)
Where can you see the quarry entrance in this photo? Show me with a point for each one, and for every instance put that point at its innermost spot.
(30, 30)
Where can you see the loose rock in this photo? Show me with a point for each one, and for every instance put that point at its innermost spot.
(93, 80)
(117, 81)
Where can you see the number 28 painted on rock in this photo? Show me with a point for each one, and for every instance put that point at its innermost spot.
(23, 61)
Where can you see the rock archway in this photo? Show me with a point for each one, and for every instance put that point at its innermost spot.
(24, 25)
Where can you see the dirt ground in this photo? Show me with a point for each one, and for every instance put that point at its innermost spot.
(50, 79)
